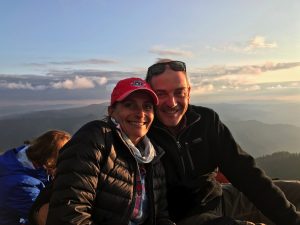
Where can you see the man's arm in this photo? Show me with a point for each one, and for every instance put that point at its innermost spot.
(241, 170)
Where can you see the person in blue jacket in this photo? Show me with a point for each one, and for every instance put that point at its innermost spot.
(24, 171)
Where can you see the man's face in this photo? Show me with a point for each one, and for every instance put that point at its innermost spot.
(173, 92)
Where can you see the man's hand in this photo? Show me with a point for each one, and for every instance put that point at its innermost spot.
(250, 223)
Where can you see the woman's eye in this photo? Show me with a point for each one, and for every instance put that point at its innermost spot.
(128, 104)
(148, 107)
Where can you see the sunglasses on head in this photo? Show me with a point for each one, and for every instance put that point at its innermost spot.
(159, 68)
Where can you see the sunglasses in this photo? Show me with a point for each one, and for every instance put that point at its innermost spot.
(159, 68)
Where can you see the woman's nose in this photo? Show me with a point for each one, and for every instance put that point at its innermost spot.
(140, 112)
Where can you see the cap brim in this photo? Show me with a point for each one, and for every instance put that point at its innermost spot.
(152, 93)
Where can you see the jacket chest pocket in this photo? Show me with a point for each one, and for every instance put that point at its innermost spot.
(198, 154)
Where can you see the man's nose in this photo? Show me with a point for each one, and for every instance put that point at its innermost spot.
(171, 101)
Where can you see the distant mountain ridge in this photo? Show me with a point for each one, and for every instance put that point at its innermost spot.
(277, 113)
(15, 129)
(255, 137)
(261, 139)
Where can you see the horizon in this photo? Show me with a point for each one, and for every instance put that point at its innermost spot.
(74, 52)
(259, 129)
(267, 113)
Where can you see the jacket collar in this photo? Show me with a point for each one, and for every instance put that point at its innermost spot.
(191, 117)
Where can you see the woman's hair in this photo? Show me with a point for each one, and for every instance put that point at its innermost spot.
(44, 149)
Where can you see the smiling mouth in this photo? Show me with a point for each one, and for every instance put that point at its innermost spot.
(137, 124)
(171, 111)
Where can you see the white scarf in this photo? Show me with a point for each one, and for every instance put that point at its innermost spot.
(145, 155)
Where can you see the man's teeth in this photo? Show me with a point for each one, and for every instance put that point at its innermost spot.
(171, 111)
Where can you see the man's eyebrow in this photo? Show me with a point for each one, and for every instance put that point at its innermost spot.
(176, 89)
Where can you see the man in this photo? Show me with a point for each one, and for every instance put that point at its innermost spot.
(196, 144)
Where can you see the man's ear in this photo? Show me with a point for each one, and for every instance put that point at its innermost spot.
(189, 93)
(110, 110)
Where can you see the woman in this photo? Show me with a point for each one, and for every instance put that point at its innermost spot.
(110, 172)
(23, 173)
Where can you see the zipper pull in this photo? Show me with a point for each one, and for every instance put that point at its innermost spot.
(181, 156)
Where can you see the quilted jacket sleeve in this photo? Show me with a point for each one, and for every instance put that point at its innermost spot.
(74, 188)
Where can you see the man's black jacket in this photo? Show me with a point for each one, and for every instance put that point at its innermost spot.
(191, 160)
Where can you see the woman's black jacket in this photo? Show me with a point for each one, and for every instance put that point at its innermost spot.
(95, 182)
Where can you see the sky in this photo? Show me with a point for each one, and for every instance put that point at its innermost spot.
(74, 51)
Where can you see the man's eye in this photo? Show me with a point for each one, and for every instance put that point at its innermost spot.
(181, 93)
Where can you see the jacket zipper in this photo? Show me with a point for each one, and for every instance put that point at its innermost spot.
(189, 156)
(180, 154)
(179, 146)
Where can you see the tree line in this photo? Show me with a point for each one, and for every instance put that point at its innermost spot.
(281, 165)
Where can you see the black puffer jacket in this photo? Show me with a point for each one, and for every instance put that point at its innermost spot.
(95, 181)
(191, 160)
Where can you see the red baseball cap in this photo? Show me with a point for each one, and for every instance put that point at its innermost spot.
(127, 86)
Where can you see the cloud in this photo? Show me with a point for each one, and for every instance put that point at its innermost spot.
(239, 79)
(21, 85)
(278, 66)
(74, 62)
(77, 83)
(85, 62)
(220, 77)
(100, 80)
(253, 88)
(84, 84)
(284, 85)
(242, 90)
(36, 64)
(217, 71)
(254, 44)
(203, 89)
(259, 42)
(158, 50)
(69, 82)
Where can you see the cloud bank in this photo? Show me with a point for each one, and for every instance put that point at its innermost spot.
(211, 81)
(74, 62)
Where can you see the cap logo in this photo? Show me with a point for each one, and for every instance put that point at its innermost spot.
(137, 83)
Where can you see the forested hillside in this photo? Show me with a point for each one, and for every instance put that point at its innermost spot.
(282, 165)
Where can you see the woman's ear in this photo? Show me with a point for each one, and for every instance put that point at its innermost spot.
(110, 110)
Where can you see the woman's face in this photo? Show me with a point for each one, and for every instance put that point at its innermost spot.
(134, 114)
